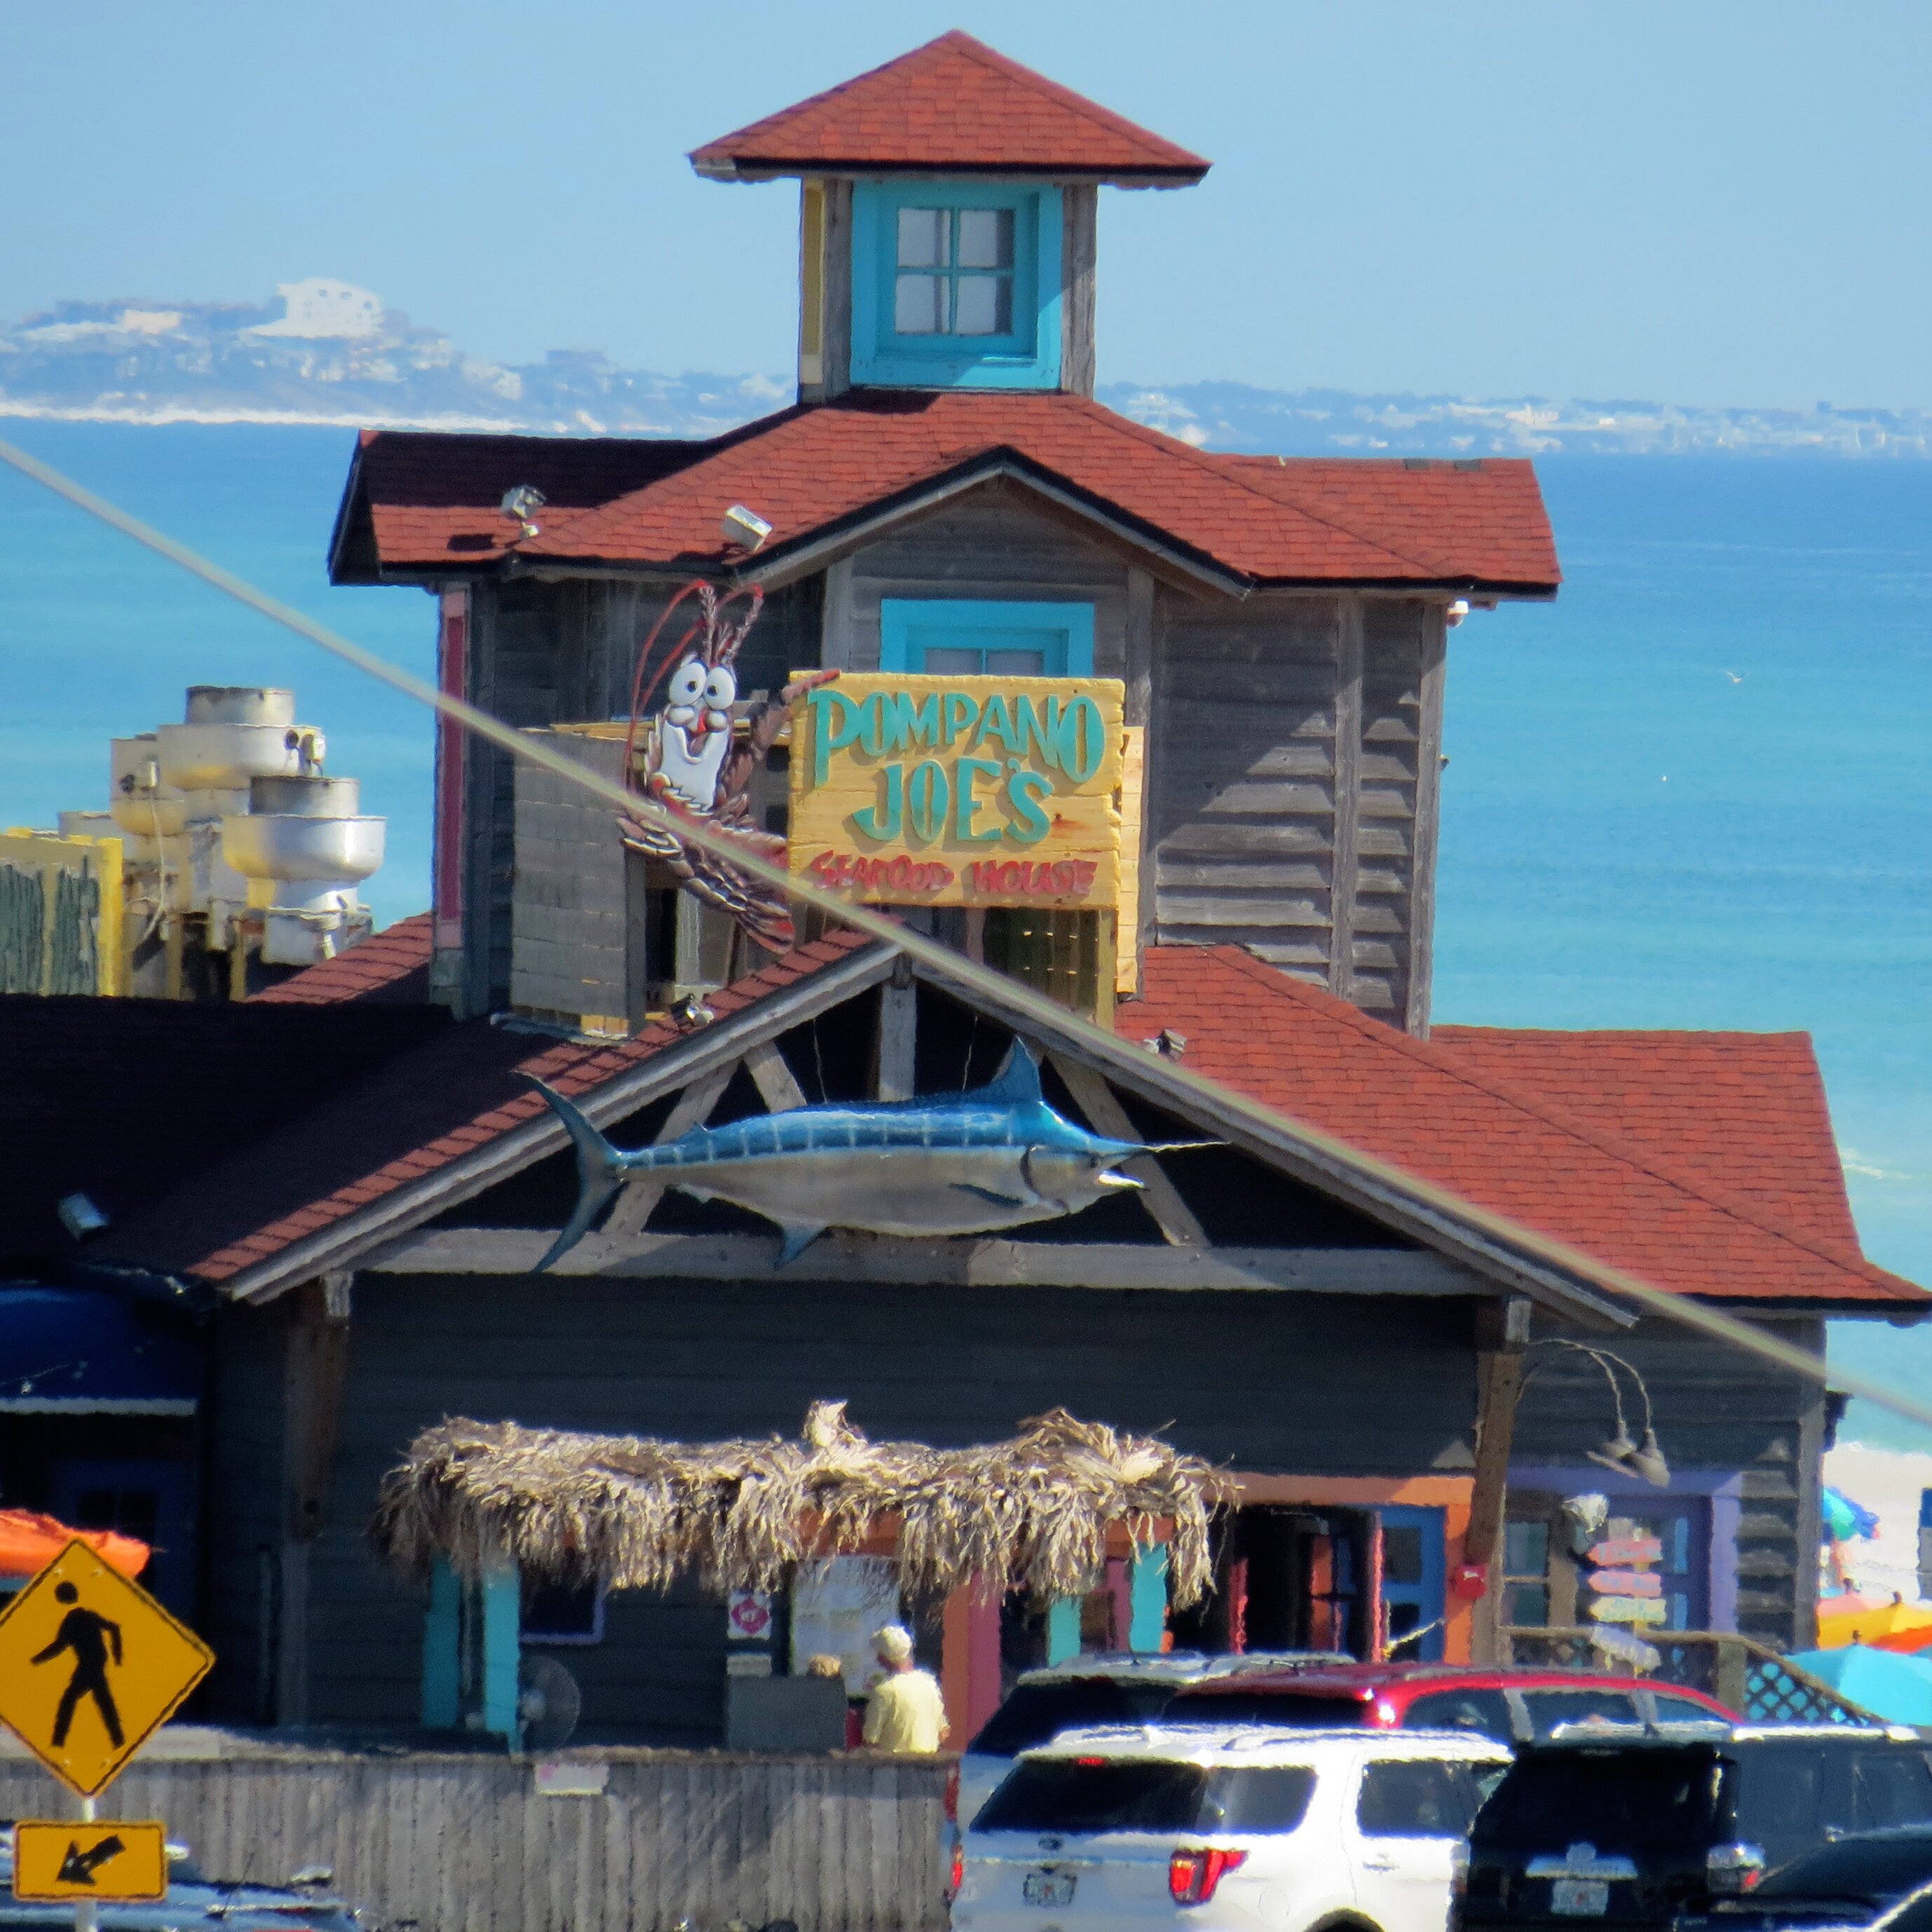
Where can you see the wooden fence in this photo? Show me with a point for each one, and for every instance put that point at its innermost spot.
(466, 1842)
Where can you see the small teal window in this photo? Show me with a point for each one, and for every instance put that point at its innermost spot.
(956, 638)
(956, 284)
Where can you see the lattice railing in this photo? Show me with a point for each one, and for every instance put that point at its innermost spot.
(1738, 1671)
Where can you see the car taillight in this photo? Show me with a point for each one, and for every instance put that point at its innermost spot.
(1191, 1876)
(1459, 1872)
(958, 1876)
(953, 1796)
(1387, 1715)
(1733, 1869)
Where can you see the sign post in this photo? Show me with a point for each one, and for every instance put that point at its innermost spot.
(90, 1666)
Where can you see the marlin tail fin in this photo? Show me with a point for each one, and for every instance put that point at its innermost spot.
(599, 1174)
(1018, 1081)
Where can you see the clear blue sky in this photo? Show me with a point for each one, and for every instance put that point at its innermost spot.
(1720, 203)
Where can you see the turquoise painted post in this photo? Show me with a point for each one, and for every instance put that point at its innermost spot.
(442, 1637)
(1062, 1629)
(1147, 1597)
(502, 1592)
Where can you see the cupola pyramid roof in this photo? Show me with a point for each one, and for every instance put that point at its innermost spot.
(953, 107)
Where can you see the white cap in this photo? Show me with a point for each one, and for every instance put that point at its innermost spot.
(894, 1642)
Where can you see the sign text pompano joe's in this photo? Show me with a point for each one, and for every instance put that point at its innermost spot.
(933, 790)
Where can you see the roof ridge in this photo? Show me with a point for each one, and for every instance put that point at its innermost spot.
(1381, 1033)
(1209, 461)
(975, 48)
(1158, 152)
(1295, 502)
(1714, 1034)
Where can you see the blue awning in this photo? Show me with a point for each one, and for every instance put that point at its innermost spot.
(82, 1352)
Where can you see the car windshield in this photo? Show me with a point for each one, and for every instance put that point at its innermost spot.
(1266, 1707)
(1626, 1801)
(1036, 1713)
(1868, 1868)
(1145, 1794)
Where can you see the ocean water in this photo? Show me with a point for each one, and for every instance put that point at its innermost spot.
(1693, 791)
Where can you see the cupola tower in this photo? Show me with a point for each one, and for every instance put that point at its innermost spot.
(947, 221)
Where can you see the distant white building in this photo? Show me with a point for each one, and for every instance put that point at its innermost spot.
(318, 310)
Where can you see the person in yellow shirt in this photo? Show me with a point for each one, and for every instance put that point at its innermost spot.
(905, 1712)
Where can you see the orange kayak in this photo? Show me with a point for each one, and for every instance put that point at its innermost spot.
(29, 1542)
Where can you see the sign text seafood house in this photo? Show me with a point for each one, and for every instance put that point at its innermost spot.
(941, 791)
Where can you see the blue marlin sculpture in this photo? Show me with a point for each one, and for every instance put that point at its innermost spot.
(944, 1164)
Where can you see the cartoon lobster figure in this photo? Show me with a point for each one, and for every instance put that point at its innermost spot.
(695, 765)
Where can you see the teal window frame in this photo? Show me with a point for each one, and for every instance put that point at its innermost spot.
(902, 618)
(1028, 359)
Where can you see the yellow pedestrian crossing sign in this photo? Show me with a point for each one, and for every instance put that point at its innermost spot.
(90, 1665)
(57, 1860)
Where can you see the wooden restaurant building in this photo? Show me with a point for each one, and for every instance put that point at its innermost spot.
(1239, 882)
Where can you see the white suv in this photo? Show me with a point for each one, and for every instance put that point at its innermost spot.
(1230, 1828)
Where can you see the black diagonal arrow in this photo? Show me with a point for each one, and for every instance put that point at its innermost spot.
(78, 1868)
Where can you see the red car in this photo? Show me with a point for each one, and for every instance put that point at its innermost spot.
(1511, 1703)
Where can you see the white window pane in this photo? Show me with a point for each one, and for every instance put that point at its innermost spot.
(922, 237)
(944, 663)
(984, 306)
(986, 238)
(919, 305)
(1015, 664)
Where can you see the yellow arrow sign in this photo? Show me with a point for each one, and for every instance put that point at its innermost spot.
(90, 1665)
(56, 1859)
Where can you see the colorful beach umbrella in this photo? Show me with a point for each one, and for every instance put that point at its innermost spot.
(1898, 1689)
(1845, 1520)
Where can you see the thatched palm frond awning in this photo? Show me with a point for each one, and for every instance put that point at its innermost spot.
(1031, 1513)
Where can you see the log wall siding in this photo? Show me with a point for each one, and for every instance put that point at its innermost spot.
(565, 652)
(989, 543)
(1715, 1409)
(1225, 1375)
(1290, 809)
(451, 1842)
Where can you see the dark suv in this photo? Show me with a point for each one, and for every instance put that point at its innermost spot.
(1639, 1828)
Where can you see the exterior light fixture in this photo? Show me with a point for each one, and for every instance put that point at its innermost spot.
(521, 504)
(1627, 1456)
(744, 528)
(80, 1216)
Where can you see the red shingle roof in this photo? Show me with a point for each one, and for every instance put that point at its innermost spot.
(390, 968)
(1742, 1114)
(1525, 1147)
(420, 1113)
(1478, 525)
(953, 105)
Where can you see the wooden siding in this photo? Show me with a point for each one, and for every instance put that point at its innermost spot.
(1716, 1410)
(463, 1843)
(565, 652)
(990, 542)
(1226, 1375)
(1292, 787)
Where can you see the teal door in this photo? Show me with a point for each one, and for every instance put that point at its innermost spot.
(1414, 1600)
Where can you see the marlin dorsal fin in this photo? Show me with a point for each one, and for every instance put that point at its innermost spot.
(1017, 1083)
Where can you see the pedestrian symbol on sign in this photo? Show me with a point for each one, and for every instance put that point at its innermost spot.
(90, 1664)
(87, 1634)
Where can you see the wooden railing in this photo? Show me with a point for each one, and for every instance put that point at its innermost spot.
(1738, 1671)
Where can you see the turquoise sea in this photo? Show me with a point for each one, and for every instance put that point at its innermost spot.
(1693, 792)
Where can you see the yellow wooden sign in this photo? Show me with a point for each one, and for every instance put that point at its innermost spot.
(975, 791)
(55, 1859)
(90, 1664)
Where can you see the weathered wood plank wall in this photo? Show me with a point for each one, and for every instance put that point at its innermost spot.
(464, 1843)
(1221, 1374)
(992, 543)
(1715, 1409)
(1293, 787)
(565, 652)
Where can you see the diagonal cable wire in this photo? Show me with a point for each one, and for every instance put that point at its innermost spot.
(1105, 1049)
